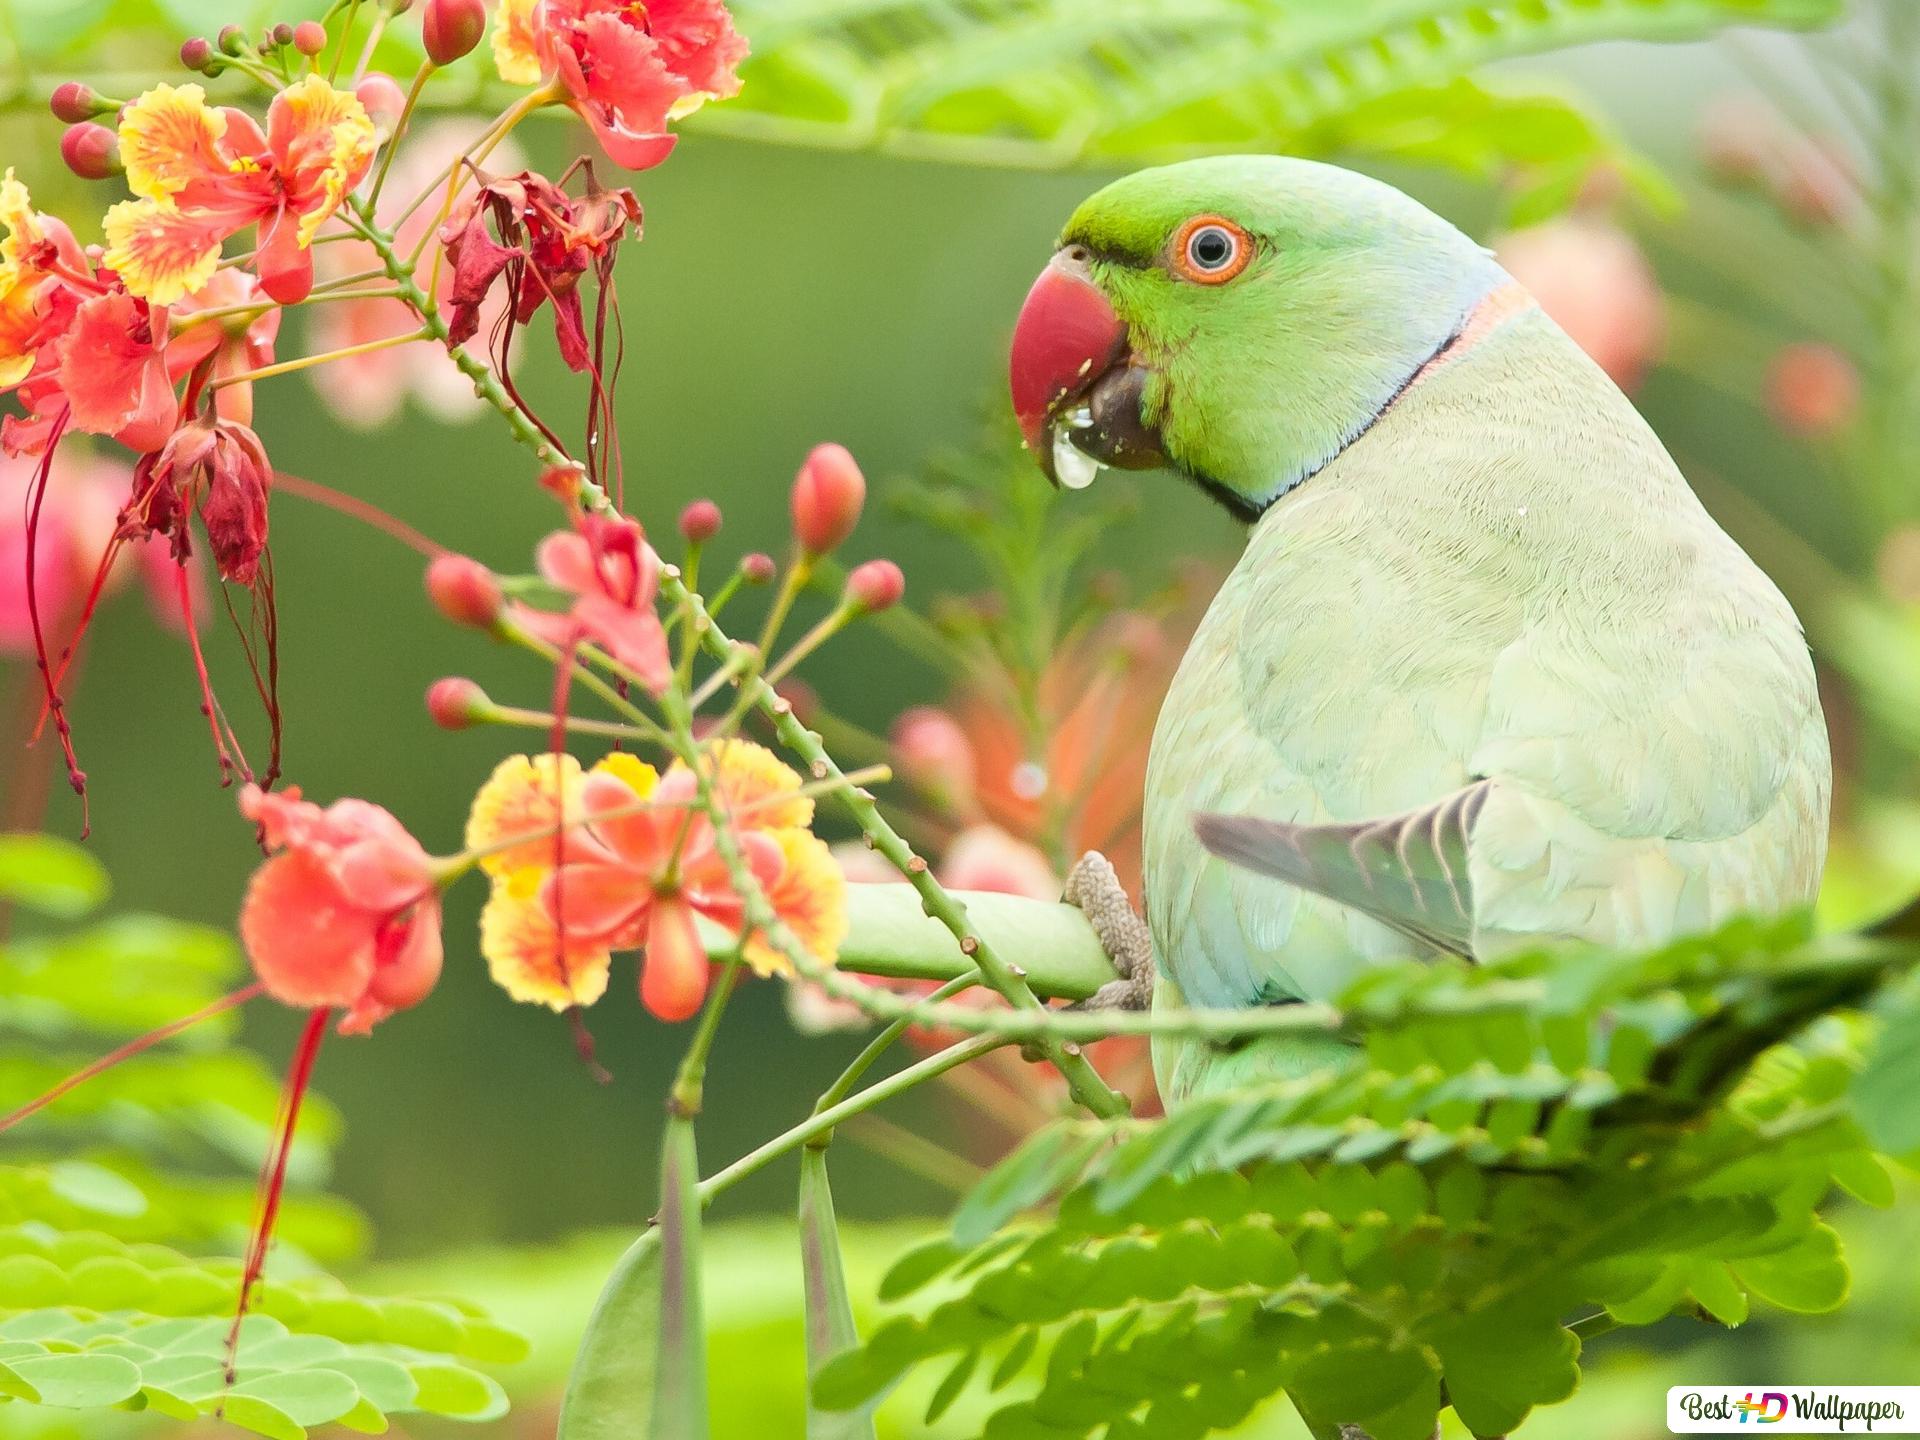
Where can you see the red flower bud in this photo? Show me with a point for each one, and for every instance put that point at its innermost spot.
(827, 496)
(876, 585)
(281, 35)
(757, 568)
(197, 54)
(457, 702)
(74, 102)
(309, 37)
(465, 591)
(674, 969)
(451, 28)
(700, 522)
(382, 98)
(91, 151)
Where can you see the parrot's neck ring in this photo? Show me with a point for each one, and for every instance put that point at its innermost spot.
(1506, 299)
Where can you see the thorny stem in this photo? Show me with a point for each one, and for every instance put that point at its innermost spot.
(1085, 1084)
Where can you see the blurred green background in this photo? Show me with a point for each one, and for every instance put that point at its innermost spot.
(782, 296)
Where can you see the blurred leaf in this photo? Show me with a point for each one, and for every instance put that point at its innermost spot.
(830, 1329)
(1048, 83)
(1886, 1089)
(50, 875)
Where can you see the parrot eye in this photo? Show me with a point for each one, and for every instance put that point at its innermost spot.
(1210, 250)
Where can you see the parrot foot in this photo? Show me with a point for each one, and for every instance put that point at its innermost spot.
(1093, 886)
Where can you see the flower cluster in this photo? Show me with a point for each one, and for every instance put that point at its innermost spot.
(621, 857)
(627, 70)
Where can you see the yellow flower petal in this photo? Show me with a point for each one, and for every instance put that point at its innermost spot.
(525, 954)
(326, 140)
(810, 897)
(23, 225)
(525, 794)
(170, 137)
(757, 786)
(19, 324)
(630, 769)
(515, 54)
(160, 251)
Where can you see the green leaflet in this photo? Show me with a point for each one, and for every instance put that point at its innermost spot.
(1431, 1215)
(830, 1327)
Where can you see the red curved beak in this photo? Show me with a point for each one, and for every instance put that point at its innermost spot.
(1066, 338)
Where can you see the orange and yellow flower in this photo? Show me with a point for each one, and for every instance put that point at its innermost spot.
(619, 857)
(201, 173)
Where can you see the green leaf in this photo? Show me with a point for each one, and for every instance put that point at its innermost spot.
(830, 1329)
(52, 876)
(680, 1373)
(1808, 1277)
(447, 1389)
(78, 1382)
(612, 1381)
(1500, 1365)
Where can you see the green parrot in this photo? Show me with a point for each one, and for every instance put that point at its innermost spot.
(1486, 672)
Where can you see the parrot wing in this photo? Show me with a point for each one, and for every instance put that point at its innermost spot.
(1410, 872)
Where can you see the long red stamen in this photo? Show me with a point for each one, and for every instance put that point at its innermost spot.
(273, 1175)
(129, 1050)
(37, 496)
(208, 706)
(358, 509)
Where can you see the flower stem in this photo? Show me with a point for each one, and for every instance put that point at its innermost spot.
(307, 362)
(822, 1121)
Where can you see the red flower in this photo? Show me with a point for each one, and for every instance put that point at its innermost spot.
(219, 468)
(346, 913)
(626, 69)
(613, 575)
(543, 240)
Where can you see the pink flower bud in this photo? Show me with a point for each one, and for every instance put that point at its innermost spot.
(232, 40)
(757, 568)
(1812, 389)
(876, 585)
(700, 522)
(382, 98)
(74, 102)
(451, 28)
(281, 35)
(456, 702)
(935, 755)
(91, 151)
(309, 37)
(465, 591)
(827, 496)
(197, 53)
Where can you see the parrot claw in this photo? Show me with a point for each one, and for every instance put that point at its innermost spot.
(1093, 886)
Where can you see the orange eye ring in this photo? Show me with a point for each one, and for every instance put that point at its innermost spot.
(1209, 250)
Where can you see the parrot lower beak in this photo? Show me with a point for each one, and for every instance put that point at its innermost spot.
(1073, 381)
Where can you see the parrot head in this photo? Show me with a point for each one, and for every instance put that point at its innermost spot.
(1239, 319)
